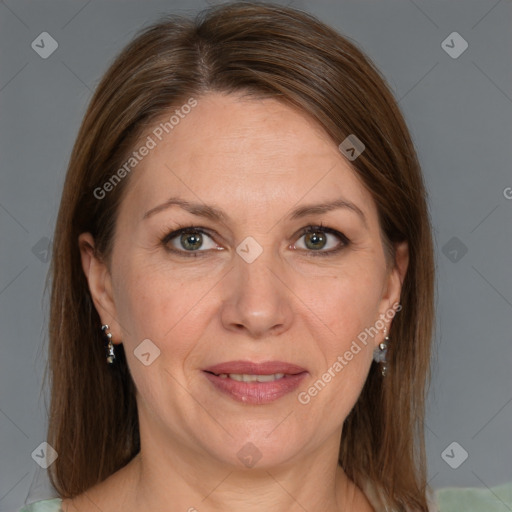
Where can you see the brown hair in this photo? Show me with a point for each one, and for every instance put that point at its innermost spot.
(268, 51)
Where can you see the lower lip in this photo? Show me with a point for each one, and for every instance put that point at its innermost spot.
(256, 392)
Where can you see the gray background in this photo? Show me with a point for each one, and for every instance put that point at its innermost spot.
(459, 111)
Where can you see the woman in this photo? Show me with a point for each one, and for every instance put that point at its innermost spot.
(244, 229)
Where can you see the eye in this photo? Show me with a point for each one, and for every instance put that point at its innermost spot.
(322, 240)
(317, 241)
(189, 239)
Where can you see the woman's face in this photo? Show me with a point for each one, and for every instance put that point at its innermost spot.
(243, 286)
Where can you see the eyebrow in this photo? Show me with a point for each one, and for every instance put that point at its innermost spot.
(215, 214)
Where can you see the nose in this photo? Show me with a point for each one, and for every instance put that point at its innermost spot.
(257, 301)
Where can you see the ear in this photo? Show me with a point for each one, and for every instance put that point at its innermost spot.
(100, 285)
(393, 284)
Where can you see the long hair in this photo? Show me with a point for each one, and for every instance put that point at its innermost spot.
(267, 51)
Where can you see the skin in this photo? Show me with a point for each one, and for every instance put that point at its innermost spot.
(257, 160)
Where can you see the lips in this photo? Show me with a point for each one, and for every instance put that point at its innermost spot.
(255, 383)
(250, 368)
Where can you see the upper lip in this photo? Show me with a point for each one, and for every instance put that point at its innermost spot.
(251, 368)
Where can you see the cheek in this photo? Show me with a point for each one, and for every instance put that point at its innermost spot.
(345, 303)
(348, 310)
(345, 308)
(154, 303)
(153, 306)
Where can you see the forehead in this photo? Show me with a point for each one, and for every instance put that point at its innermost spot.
(238, 152)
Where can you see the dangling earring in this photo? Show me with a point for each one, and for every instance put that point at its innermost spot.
(379, 354)
(110, 346)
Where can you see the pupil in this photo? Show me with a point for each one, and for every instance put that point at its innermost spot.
(191, 241)
(318, 240)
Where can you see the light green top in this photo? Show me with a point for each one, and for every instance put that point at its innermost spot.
(43, 506)
(496, 499)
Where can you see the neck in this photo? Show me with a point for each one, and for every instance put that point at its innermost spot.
(196, 484)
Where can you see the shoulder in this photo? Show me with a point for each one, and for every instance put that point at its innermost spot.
(376, 498)
(52, 505)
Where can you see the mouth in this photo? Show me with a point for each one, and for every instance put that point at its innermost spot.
(255, 383)
(246, 377)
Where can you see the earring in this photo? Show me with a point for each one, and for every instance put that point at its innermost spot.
(110, 346)
(379, 354)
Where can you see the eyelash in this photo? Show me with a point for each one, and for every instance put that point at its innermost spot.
(308, 229)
